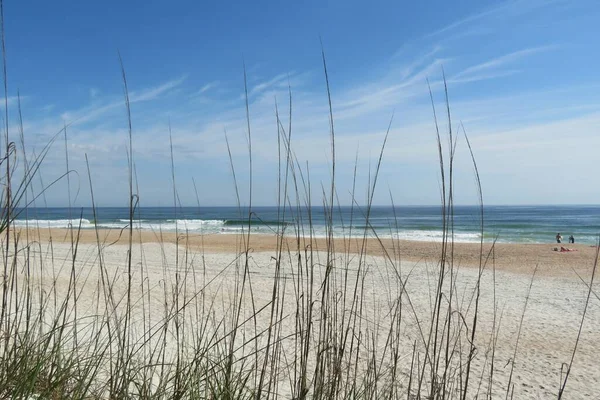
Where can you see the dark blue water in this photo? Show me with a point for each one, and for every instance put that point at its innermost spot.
(515, 224)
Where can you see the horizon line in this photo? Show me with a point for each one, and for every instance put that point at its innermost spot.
(342, 205)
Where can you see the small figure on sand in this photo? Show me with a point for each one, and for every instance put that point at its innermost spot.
(558, 238)
(571, 239)
(563, 249)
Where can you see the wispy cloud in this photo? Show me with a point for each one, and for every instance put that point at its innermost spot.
(94, 111)
(503, 60)
(48, 107)
(482, 76)
(276, 81)
(381, 94)
(408, 67)
(11, 101)
(205, 88)
(504, 9)
(153, 93)
(472, 18)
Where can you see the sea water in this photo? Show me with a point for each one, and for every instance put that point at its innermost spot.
(508, 224)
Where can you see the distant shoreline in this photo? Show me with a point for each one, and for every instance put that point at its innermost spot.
(506, 224)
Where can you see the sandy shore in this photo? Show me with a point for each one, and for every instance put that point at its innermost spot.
(550, 322)
(518, 258)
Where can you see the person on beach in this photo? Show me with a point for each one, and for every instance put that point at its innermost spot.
(563, 249)
(571, 239)
(558, 238)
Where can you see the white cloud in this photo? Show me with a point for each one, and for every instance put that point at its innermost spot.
(472, 18)
(502, 60)
(96, 110)
(205, 88)
(504, 9)
(275, 81)
(154, 93)
(482, 76)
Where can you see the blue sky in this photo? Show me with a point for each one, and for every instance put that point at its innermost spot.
(522, 78)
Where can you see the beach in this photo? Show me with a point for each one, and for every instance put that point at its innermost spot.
(300, 200)
(510, 257)
(395, 277)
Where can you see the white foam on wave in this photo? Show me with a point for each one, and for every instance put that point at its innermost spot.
(218, 226)
(54, 223)
(198, 222)
(437, 236)
(182, 224)
(169, 225)
(416, 235)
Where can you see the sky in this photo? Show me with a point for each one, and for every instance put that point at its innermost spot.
(522, 79)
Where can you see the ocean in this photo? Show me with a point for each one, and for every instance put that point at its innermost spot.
(507, 224)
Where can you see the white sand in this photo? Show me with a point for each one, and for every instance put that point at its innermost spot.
(550, 326)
